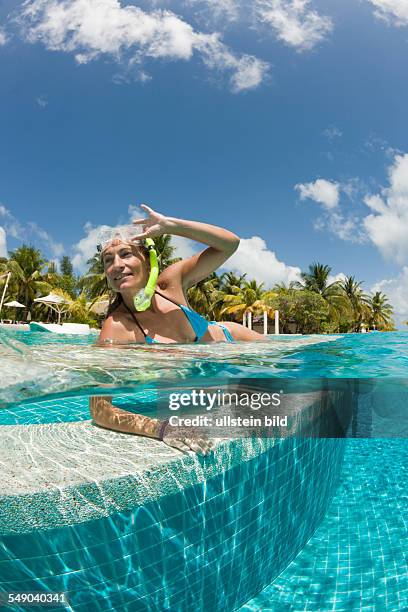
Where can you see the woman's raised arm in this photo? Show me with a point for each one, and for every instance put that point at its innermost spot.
(221, 242)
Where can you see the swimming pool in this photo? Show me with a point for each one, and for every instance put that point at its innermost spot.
(125, 523)
(35, 364)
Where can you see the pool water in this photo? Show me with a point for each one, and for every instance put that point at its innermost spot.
(34, 364)
(357, 557)
(351, 553)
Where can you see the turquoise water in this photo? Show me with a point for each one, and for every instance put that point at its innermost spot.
(334, 530)
(357, 557)
(205, 547)
(348, 355)
(37, 364)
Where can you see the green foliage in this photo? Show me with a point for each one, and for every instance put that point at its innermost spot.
(313, 306)
(29, 259)
(316, 279)
(205, 296)
(358, 303)
(27, 280)
(311, 312)
(79, 311)
(165, 251)
(380, 312)
(94, 283)
(69, 284)
(66, 280)
(305, 309)
(230, 281)
(52, 268)
(244, 299)
(66, 267)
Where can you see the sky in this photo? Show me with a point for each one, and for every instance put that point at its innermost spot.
(282, 120)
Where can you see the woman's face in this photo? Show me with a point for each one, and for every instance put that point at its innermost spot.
(125, 267)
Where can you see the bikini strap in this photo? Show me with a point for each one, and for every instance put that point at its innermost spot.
(167, 298)
(135, 320)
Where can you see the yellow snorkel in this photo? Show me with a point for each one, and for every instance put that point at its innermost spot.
(143, 298)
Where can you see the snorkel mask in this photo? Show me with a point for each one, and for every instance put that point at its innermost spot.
(143, 298)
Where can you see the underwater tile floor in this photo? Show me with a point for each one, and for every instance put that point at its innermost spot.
(357, 558)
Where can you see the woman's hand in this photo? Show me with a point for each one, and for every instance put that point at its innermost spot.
(221, 243)
(153, 225)
(106, 415)
(191, 441)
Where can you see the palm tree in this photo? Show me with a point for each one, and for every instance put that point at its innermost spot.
(79, 308)
(165, 251)
(26, 281)
(66, 279)
(284, 288)
(243, 300)
(51, 275)
(94, 281)
(205, 297)
(228, 280)
(381, 311)
(29, 259)
(359, 301)
(316, 280)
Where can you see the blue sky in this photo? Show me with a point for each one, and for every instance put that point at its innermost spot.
(284, 120)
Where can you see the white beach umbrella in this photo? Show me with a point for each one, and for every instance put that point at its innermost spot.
(100, 307)
(55, 302)
(14, 304)
(51, 298)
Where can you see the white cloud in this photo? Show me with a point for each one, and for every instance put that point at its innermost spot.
(349, 229)
(346, 226)
(3, 242)
(247, 71)
(30, 231)
(42, 101)
(3, 37)
(217, 9)
(85, 249)
(392, 11)
(387, 225)
(321, 191)
(255, 259)
(12, 225)
(332, 132)
(294, 22)
(127, 34)
(336, 277)
(56, 248)
(396, 290)
(185, 248)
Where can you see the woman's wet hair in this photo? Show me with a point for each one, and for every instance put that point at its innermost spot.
(114, 303)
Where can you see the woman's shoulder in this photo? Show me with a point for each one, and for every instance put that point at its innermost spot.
(170, 285)
(170, 278)
(118, 326)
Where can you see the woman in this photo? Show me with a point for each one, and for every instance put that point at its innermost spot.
(169, 318)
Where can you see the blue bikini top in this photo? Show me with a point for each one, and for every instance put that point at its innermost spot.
(197, 322)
